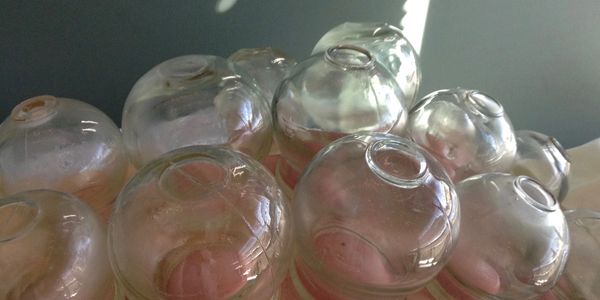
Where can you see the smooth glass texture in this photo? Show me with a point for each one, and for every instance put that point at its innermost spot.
(513, 244)
(66, 145)
(330, 95)
(542, 157)
(194, 100)
(52, 247)
(376, 217)
(201, 222)
(265, 67)
(388, 46)
(466, 130)
(581, 279)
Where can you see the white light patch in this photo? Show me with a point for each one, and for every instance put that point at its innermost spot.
(413, 22)
(223, 6)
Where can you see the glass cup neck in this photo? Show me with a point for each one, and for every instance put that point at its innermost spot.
(34, 109)
(558, 153)
(483, 105)
(397, 163)
(534, 194)
(386, 29)
(350, 57)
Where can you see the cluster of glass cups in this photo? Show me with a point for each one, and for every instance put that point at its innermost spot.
(376, 195)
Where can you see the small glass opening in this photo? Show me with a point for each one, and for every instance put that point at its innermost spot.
(485, 104)
(34, 108)
(535, 194)
(350, 57)
(397, 162)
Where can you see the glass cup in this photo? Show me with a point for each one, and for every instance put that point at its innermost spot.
(513, 244)
(388, 46)
(52, 246)
(265, 67)
(201, 222)
(65, 145)
(542, 157)
(194, 100)
(376, 217)
(466, 130)
(330, 95)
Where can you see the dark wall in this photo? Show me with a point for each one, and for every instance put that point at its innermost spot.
(95, 50)
(541, 60)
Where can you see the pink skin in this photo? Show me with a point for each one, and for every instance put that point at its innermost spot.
(475, 273)
(206, 274)
(271, 162)
(354, 258)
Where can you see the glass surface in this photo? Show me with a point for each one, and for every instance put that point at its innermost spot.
(52, 247)
(388, 46)
(265, 67)
(581, 279)
(467, 130)
(513, 244)
(201, 222)
(62, 144)
(543, 158)
(330, 95)
(376, 218)
(194, 100)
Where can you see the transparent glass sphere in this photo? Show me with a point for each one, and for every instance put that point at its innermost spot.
(542, 157)
(467, 130)
(581, 278)
(388, 46)
(513, 243)
(376, 217)
(330, 95)
(265, 67)
(201, 222)
(62, 144)
(52, 246)
(194, 100)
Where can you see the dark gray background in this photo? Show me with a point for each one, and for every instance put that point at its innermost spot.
(541, 60)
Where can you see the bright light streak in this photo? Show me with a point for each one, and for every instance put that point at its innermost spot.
(413, 22)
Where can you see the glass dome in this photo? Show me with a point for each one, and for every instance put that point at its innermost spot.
(542, 157)
(201, 222)
(265, 67)
(513, 242)
(388, 46)
(194, 100)
(52, 246)
(376, 217)
(467, 130)
(66, 145)
(330, 95)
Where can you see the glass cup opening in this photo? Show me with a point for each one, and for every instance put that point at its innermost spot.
(350, 57)
(484, 104)
(386, 29)
(186, 68)
(34, 108)
(557, 151)
(16, 219)
(397, 163)
(535, 194)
